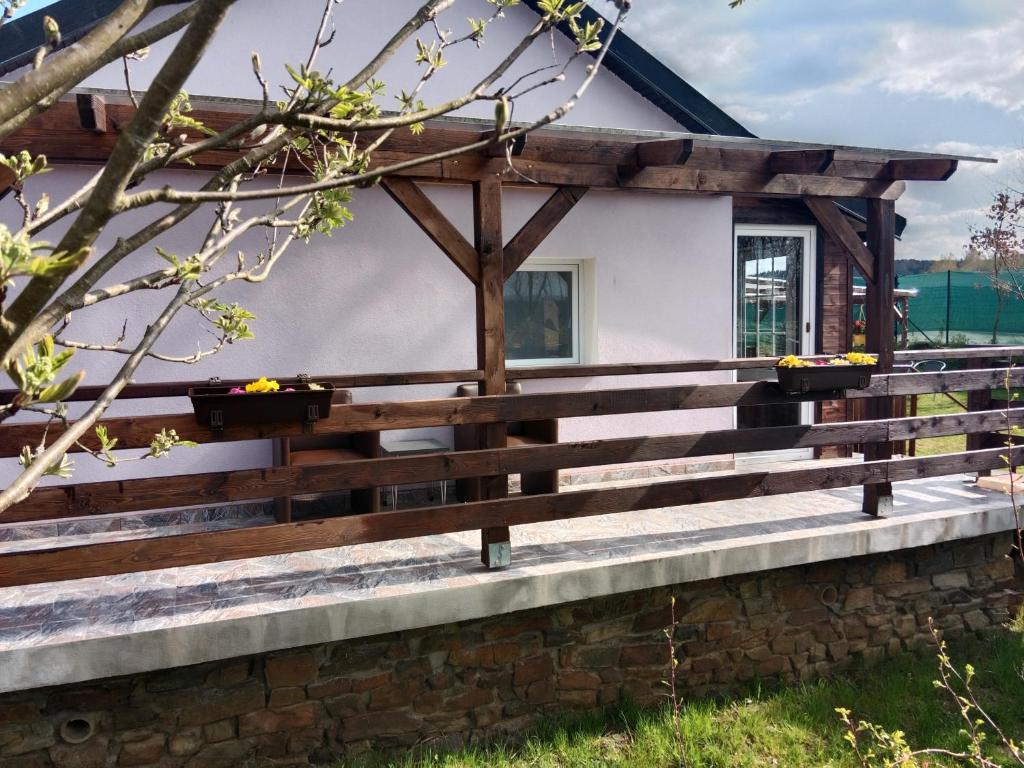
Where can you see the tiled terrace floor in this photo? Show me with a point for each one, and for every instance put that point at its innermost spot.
(260, 603)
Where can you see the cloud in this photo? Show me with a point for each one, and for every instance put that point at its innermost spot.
(748, 115)
(985, 64)
(697, 51)
(1009, 160)
(941, 216)
(760, 60)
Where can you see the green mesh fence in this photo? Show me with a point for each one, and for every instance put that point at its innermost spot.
(962, 307)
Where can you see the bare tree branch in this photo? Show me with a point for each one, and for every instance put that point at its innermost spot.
(71, 64)
(130, 147)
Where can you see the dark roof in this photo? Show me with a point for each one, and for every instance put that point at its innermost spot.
(22, 37)
(630, 62)
(659, 84)
(858, 209)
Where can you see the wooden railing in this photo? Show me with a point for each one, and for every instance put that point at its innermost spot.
(85, 499)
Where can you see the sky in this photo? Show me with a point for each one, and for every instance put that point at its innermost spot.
(930, 75)
(933, 75)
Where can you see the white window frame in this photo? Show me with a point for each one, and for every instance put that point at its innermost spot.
(576, 295)
(809, 234)
(809, 292)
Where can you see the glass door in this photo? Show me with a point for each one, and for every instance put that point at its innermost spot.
(774, 300)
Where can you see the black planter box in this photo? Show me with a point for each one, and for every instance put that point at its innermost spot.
(823, 378)
(215, 407)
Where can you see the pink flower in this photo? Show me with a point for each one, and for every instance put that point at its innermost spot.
(820, 362)
(236, 391)
(289, 389)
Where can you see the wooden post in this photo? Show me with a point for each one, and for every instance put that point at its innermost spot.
(495, 543)
(881, 316)
(981, 400)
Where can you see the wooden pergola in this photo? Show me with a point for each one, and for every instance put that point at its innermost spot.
(571, 162)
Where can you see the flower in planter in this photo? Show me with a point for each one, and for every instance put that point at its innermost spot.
(852, 358)
(860, 326)
(792, 361)
(861, 358)
(262, 384)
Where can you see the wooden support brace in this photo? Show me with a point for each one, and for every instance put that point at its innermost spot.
(92, 112)
(7, 179)
(540, 225)
(838, 227)
(442, 232)
(664, 152)
(501, 150)
(801, 161)
(921, 169)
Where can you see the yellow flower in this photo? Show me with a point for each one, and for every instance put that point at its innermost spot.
(861, 358)
(262, 384)
(792, 361)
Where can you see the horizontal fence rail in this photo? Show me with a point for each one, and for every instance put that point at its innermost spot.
(137, 495)
(145, 390)
(244, 485)
(76, 562)
(138, 431)
(351, 381)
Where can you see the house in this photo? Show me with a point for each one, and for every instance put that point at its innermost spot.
(632, 271)
(628, 274)
(662, 288)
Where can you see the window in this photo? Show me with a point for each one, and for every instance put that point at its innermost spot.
(542, 314)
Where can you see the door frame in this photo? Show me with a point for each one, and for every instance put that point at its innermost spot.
(808, 299)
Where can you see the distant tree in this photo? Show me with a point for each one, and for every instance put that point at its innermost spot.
(1001, 242)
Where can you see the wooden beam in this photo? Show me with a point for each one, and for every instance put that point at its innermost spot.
(838, 227)
(435, 224)
(881, 317)
(540, 225)
(110, 558)
(495, 542)
(107, 497)
(801, 161)
(7, 179)
(923, 169)
(685, 178)
(503, 150)
(407, 378)
(137, 431)
(92, 112)
(556, 159)
(347, 381)
(663, 152)
(972, 353)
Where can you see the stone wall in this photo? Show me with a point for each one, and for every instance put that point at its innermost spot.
(447, 685)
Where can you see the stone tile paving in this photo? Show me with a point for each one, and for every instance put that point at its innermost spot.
(126, 604)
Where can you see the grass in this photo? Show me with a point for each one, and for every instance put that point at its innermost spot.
(934, 405)
(795, 727)
(938, 403)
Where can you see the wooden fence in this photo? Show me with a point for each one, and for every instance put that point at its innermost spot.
(85, 499)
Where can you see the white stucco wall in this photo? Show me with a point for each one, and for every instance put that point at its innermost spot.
(378, 295)
(282, 33)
